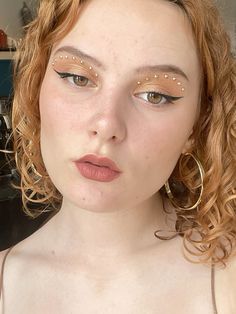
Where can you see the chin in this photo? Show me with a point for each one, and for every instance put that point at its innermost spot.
(94, 202)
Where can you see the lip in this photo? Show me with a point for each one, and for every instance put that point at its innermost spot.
(99, 161)
(97, 168)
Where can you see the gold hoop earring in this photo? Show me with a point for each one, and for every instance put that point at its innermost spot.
(201, 172)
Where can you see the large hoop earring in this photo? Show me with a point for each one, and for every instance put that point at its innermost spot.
(201, 172)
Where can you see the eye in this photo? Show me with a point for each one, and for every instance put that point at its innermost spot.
(78, 80)
(156, 98)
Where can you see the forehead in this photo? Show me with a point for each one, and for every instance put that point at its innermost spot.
(126, 33)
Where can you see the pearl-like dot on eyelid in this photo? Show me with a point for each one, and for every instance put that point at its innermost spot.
(165, 76)
(73, 58)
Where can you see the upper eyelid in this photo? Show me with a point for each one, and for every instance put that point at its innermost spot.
(157, 88)
(141, 78)
(85, 70)
(74, 63)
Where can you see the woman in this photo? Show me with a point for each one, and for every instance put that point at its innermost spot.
(124, 124)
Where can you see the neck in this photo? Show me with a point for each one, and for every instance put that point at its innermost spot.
(119, 233)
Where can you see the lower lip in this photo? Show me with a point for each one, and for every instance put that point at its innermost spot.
(96, 173)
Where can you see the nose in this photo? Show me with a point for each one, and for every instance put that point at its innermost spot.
(108, 124)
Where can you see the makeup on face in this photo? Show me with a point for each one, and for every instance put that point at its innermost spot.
(169, 83)
(73, 67)
(67, 65)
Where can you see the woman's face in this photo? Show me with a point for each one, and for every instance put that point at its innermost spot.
(136, 51)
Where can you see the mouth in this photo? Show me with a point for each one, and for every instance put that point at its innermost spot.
(97, 168)
(99, 162)
(88, 162)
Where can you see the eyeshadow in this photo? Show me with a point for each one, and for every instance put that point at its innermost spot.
(68, 58)
(162, 79)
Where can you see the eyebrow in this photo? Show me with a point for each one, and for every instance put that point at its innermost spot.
(165, 68)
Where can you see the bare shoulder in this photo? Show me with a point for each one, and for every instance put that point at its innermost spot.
(22, 267)
(3, 254)
(25, 252)
(225, 283)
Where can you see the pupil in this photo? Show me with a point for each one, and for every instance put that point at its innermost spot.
(154, 97)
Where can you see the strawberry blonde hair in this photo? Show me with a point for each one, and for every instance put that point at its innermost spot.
(214, 137)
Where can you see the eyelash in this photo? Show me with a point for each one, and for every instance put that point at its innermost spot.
(168, 99)
(66, 75)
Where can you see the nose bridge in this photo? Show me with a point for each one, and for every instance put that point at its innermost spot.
(109, 119)
(113, 99)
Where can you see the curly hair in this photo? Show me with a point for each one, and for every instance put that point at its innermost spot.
(214, 136)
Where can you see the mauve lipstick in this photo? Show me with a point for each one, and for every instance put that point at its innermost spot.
(97, 168)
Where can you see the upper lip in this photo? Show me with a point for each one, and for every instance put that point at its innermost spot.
(99, 161)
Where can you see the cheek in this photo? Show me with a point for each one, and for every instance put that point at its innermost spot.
(167, 134)
(160, 142)
(57, 116)
(52, 123)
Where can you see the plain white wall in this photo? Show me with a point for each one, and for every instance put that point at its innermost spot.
(10, 19)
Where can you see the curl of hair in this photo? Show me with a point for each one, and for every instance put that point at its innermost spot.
(209, 231)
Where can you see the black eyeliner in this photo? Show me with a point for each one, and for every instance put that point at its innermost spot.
(65, 74)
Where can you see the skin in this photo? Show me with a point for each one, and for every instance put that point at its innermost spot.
(99, 251)
(109, 120)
